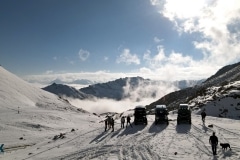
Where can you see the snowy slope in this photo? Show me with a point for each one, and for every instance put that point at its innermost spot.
(16, 93)
(67, 91)
(225, 75)
(221, 101)
(29, 115)
(48, 128)
(151, 142)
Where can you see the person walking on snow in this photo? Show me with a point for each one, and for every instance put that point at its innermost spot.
(213, 140)
(203, 114)
(128, 121)
(122, 121)
(106, 124)
(112, 124)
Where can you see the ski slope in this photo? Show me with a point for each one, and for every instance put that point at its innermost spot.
(150, 141)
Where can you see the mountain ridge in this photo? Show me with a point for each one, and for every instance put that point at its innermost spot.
(223, 77)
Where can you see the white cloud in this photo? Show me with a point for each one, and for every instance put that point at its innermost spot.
(157, 40)
(175, 66)
(178, 58)
(214, 20)
(128, 58)
(83, 54)
(157, 60)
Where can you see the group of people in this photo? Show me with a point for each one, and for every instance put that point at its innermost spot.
(123, 121)
(109, 122)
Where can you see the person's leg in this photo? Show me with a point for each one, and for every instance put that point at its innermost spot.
(213, 149)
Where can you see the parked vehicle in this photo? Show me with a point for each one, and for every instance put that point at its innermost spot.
(184, 114)
(161, 114)
(140, 115)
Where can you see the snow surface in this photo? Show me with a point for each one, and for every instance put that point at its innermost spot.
(48, 127)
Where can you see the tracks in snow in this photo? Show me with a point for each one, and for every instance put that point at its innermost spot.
(149, 142)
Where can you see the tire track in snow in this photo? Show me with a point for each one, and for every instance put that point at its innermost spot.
(199, 143)
(138, 146)
(100, 150)
(225, 130)
(222, 132)
(83, 134)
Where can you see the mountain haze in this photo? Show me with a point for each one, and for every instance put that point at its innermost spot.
(135, 88)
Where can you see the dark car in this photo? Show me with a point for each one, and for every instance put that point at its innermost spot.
(140, 115)
(161, 114)
(184, 114)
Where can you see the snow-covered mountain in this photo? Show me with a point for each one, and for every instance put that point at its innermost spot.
(221, 87)
(120, 88)
(116, 89)
(220, 101)
(30, 115)
(123, 87)
(78, 81)
(66, 91)
(24, 95)
(38, 125)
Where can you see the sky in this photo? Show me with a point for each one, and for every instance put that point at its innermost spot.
(104, 40)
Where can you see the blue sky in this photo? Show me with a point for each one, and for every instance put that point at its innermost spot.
(102, 40)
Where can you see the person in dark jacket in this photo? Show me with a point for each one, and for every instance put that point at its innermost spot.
(128, 121)
(106, 124)
(122, 121)
(112, 124)
(203, 114)
(213, 140)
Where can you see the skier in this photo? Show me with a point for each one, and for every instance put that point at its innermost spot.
(122, 121)
(213, 140)
(203, 114)
(128, 121)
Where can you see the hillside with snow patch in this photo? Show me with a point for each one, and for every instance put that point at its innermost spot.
(48, 127)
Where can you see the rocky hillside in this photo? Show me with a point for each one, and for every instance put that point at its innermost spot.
(134, 88)
(124, 87)
(225, 76)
